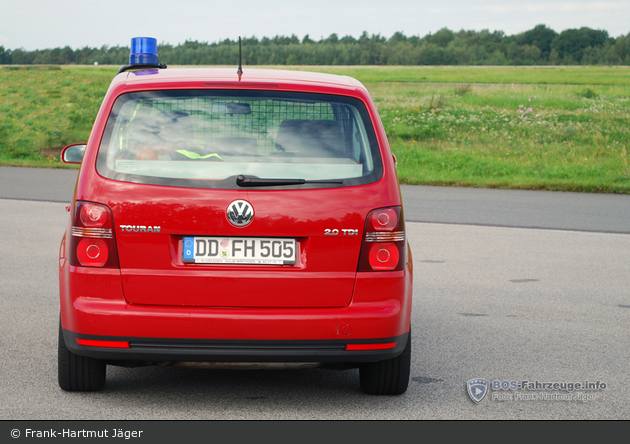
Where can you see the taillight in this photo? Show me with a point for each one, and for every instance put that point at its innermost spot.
(93, 243)
(384, 256)
(384, 219)
(383, 247)
(93, 215)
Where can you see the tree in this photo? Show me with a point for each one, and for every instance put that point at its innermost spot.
(540, 45)
(441, 38)
(541, 37)
(571, 43)
(332, 39)
(5, 56)
(398, 37)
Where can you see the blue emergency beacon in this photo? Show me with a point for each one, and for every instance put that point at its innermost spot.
(143, 51)
(143, 55)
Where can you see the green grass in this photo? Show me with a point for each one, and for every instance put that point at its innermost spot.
(566, 75)
(554, 129)
(47, 108)
(548, 137)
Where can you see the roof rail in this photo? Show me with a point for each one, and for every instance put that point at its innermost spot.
(141, 66)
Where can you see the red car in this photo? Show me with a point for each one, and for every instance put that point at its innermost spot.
(226, 218)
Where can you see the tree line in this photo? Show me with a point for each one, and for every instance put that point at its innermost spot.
(538, 46)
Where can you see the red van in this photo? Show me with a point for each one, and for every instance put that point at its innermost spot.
(226, 218)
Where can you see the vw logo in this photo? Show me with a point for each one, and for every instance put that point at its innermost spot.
(240, 213)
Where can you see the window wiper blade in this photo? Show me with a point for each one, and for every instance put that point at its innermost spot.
(253, 181)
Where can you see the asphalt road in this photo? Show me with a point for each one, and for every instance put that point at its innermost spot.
(518, 208)
(492, 302)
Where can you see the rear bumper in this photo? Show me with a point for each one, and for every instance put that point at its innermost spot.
(93, 303)
(151, 350)
(96, 310)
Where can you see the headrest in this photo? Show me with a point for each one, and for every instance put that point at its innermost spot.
(310, 138)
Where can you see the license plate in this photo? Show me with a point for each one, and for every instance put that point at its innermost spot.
(239, 250)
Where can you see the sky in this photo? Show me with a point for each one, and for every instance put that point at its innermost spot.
(41, 24)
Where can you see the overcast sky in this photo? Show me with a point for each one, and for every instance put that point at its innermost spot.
(40, 24)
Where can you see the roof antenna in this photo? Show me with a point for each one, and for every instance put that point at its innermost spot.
(240, 67)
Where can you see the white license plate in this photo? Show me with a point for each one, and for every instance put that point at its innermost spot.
(239, 250)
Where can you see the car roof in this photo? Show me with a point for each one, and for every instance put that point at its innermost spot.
(250, 77)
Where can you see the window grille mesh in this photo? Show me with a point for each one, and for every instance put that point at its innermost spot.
(262, 124)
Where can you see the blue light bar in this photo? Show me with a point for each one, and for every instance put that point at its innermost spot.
(143, 51)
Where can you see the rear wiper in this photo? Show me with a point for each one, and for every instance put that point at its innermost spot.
(253, 181)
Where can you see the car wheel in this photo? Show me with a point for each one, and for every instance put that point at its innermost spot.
(389, 377)
(78, 373)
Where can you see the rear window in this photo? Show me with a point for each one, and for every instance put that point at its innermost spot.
(207, 138)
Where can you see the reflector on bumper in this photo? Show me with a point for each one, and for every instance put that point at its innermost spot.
(371, 346)
(109, 344)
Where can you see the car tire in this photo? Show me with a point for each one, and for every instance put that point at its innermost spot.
(389, 377)
(78, 373)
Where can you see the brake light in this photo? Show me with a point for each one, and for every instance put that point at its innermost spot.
(384, 256)
(93, 243)
(92, 252)
(383, 247)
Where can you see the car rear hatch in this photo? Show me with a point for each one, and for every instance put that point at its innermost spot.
(150, 239)
(301, 170)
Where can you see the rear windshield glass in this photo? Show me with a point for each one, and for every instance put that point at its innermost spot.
(207, 139)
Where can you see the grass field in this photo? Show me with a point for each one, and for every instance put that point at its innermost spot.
(530, 137)
(563, 128)
(562, 75)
